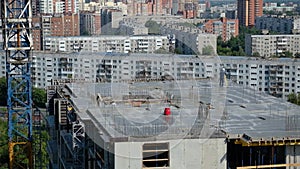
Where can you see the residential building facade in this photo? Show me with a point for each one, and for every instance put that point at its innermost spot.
(110, 18)
(278, 77)
(54, 25)
(272, 45)
(56, 6)
(285, 25)
(90, 23)
(190, 40)
(105, 43)
(226, 28)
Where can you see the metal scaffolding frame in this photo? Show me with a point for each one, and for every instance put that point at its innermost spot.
(16, 17)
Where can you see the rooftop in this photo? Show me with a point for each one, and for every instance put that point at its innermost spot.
(199, 109)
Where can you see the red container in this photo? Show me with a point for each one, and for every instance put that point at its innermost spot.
(167, 111)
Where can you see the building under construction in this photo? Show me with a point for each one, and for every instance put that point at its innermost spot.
(169, 124)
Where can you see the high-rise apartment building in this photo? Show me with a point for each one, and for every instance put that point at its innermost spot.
(90, 23)
(46, 6)
(150, 7)
(58, 25)
(55, 6)
(65, 25)
(36, 33)
(248, 10)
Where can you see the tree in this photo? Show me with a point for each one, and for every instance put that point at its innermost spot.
(288, 54)
(208, 50)
(38, 95)
(256, 54)
(178, 51)
(162, 50)
(3, 91)
(236, 45)
(153, 27)
(3, 144)
(294, 98)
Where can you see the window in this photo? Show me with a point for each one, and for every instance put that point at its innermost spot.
(156, 155)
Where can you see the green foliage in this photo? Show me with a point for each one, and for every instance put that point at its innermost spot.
(186, 24)
(3, 144)
(178, 51)
(208, 50)
(288, 54)
(162, 51)
(3, 91)
(44, 137)
(154, 27)
(272, 12)
(294, 98)
(255, 54)
(236, 45)
(38, 95)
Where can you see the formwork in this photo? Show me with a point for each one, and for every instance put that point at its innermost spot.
(230, 126)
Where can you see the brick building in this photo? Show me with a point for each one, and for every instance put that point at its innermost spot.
(36, 33)
(224, 27)
(58, 25)
(248, 10)
(149, 7)
(65, 25)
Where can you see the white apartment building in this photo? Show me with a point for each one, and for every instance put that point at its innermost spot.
(272, 45)
(60, 7)
(105, 43)
(131, 28)
(46, 6)
(278, 77)
(72, 6)
(190, 40)
(96, 67)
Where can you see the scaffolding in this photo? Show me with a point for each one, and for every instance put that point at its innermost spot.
(16, 19)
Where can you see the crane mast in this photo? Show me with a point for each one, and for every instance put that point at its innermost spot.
(16, 25)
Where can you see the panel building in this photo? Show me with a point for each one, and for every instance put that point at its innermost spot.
(272, 45)
(278, 77)
(106, 43)
(190, 40)
(276, 24)
(248, 10)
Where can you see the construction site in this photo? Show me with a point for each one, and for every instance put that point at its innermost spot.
(169, 124)
(138, 124)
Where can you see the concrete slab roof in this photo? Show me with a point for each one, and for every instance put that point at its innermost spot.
(199, 109)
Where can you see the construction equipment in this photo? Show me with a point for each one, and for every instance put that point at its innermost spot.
(16, 22)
